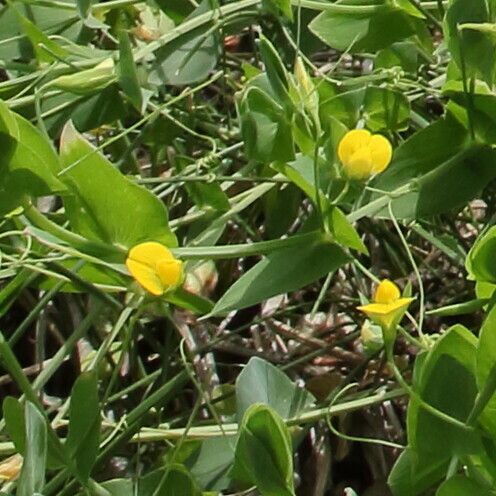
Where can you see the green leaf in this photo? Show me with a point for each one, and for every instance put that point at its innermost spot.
(344, 232)
(449, 366)
(262, 382)
(263, 452)
(473, 48)
(177, 481)
(190, 57)
(281, 272)
(445, 169)
(459, 485)
(480, 262)
(363, 32)
(83, 438)
(385, 109)
(279, 7)
(265, 128)
(211, 463)
(301, 173)
(404, 54)
(486, 360)
(84, 7)
(275, 70)
(32, 477)
(13, 414)
(87, 112)
(53, 53)
(126, 71)
(106, 205)
(412, 475)
(28, 163)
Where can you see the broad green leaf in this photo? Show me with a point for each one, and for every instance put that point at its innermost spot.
(32, 477)
(87, 112)
(486, 360)
(359, 32)
(262, 382)
(126, 71)
(481, 108)
(177, 481)
(13, 414)
(449, 365)
(279, 7)
(471, 48)
(301, 173)
(404, 54)
(480, 262)
(106, 205)
(190, 57)
(211, 462)
(31, 162)
(28, 164)
(342, 105)
(343, 232)
(84, 7)
(444, 169)
(263, 452)
(281, 272)
(45, 48)
(281, 208)
(412, 474)
(83, 438)
(385, 109)
(459, 485)
(265, 127)
(276, 72)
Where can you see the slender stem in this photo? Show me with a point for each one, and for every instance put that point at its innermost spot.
(316, 175)
(415, 269)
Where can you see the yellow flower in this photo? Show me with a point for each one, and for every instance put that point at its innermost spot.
(388, 306)
(10, 468)
(154, 267)
(364, 154)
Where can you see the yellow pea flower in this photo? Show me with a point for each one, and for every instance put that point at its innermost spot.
(364, 154)
(154, 267)
(10, 468)
(388, 307)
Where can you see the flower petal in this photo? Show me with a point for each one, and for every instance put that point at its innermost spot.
(351, 142)
(386, 315)
(149, 253)
(381, 152)
(386, 292)
(146, 276)
(360, 164)
(170, 272)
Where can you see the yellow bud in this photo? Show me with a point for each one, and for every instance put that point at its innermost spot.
(387, 309)
(364, 154)
(386, 292)
(154, 267)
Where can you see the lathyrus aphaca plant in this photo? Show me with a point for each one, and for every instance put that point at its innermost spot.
(451, 431)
